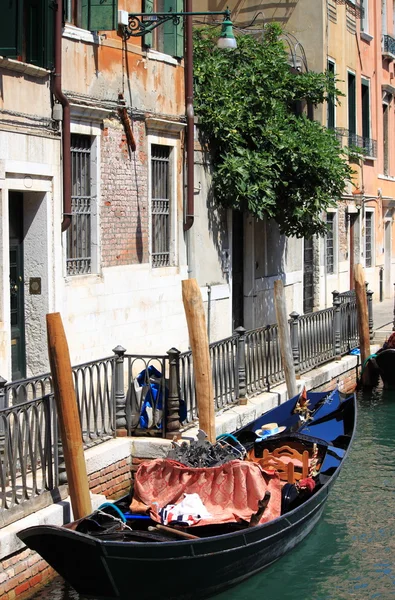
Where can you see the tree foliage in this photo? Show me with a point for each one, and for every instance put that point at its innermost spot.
(267, 159)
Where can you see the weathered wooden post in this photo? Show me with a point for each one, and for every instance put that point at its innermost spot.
(362, 313)
(120, 398)
(241, 365)
(285, 339)
(68, 416)
(173, 399)
(198, 339)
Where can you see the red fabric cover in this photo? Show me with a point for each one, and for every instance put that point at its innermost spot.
(230, 492)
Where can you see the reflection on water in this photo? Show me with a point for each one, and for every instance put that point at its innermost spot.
(351, 553)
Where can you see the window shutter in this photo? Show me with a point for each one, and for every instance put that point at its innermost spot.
(173, 34)
(99, 15)
(148, 8)
(11, 29)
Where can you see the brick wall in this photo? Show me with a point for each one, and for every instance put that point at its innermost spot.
(123, 209)
(22, 574)
(113, 481)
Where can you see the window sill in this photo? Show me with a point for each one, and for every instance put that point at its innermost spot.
(159, 56)
(386, 177)
(21, 67)
(364, 35)
(81, 35)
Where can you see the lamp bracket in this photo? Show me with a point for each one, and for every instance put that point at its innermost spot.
(142, 23)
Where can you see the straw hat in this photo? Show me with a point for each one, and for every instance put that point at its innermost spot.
(268, 429)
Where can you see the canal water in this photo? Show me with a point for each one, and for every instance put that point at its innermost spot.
(351, 552)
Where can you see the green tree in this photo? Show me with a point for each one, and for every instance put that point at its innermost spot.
(267, 159)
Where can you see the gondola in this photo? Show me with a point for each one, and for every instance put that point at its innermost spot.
(380, 366)
(146, 562)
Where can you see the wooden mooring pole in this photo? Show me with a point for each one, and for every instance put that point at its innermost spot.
(363, 319)
(285, 338)
(68, 417)
(198, 339)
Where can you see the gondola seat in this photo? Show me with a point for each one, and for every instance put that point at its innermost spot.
(290, 464)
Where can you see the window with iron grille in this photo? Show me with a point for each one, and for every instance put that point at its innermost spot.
(79, 260)
(330, 243)
(160, 205)
(368, 239)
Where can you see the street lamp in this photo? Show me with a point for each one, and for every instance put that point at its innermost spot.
(139, 24)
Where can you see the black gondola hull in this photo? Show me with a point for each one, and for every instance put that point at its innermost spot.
(199, 568)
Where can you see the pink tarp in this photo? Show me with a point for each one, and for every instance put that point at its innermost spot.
(230, 492)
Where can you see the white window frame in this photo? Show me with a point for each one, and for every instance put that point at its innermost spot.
(333, 62)
(335, 242)
(173, 144)
(94, 132)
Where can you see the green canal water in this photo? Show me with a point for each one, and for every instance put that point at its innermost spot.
(351, 552)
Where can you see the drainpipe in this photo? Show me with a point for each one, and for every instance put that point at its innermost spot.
(190, 209)
(66, 140)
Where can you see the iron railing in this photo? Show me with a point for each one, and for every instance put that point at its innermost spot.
(389, 45)
(29, 451)
(367, 145)
(155, 395)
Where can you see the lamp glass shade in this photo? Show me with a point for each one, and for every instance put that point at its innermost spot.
(227, 43)
(227, 39)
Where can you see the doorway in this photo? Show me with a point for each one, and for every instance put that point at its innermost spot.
(17, 300)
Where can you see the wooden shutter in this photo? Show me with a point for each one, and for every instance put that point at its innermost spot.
(11, 28)
(174, 34)
(148, 8)
(99, 15)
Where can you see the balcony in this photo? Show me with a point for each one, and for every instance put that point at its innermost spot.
(368, 146)
(388, 50)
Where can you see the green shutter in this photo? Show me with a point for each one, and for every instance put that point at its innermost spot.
(11, 28)
(179, 53)
(39, 33)
(99, 15)
(148, 8)
(173, 34)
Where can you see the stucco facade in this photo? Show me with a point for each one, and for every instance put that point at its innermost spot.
(123, 298)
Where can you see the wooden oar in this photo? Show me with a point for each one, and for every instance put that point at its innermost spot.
(198, 339)
(68, 417)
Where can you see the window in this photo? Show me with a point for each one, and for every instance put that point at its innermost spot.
(93, 15)
(167, 38)
(330, 243)
(385, 139)
(384, 17)
(26, 31)
(369, 239)
(365, 98)
(79, 234)
(352, 115)
(160, 206)
(331, 100)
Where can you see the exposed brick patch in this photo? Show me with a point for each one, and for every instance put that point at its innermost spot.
(124, 208)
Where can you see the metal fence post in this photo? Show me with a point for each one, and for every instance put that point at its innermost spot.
(369, 295)
(336, 325)
(120, 398)
(173, 399)
(294, 334)
(241, 387)
(3, 401)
